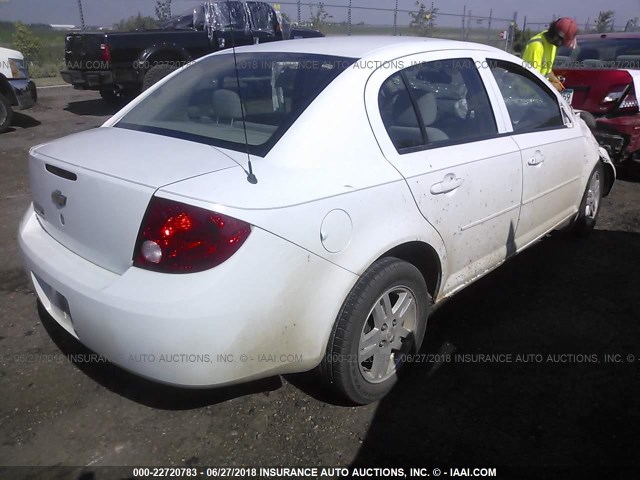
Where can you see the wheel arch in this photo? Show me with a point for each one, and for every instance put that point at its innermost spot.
(425, 258)
(164, 52)
(610, 176)
(7, 90)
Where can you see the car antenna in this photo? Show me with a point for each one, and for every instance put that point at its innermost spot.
(251, 178)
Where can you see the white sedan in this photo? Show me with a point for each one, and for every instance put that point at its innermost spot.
(302, 204)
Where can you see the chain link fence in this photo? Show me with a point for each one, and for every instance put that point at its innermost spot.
(351, 18)
(333, 18)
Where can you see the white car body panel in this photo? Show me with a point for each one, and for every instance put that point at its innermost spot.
(136, 318)
(105, 206)
(333, 196)
(5, 55)
(465, 216)
(552, 189)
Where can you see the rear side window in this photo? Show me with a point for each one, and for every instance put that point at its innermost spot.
(399, 114)
(531, 104)
(209, 103)
(434, 104)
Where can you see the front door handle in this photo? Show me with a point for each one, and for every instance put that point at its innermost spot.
(448, 184)
(537, 158)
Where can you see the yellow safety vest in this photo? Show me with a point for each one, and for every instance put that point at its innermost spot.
(540, 54)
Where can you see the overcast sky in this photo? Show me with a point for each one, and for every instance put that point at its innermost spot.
(106, 12)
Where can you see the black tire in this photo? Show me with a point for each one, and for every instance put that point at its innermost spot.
(6, 114)
(110, 97)
(588, 215)
(342, 367)
(157, 73)
(118, 98)
(589, 119)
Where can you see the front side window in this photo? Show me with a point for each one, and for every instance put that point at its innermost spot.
(209, 103)
(531, 104)
(437, 103)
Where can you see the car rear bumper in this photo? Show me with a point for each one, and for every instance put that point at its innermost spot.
(25, 92)
(268, 310)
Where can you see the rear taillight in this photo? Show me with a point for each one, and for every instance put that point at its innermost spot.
(105, 52)
(615, 94)
(620, 99)
(180, 238)
(629, 102)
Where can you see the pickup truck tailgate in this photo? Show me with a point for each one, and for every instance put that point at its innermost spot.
(82, 51)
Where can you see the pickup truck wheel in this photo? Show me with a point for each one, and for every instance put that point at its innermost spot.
(157, 73)
(111, 97)
(6, 114)
(590, 205)
(118, 98)
(383, 320)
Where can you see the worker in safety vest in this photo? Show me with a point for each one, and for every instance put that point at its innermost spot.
(541, 50)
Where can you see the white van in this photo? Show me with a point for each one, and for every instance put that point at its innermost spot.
(16, 89)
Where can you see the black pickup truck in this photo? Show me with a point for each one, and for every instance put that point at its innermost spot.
(121, 64)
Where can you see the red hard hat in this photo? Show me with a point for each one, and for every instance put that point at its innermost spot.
(566, 28)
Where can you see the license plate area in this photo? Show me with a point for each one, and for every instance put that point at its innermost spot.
(567, 94)
(54, 303)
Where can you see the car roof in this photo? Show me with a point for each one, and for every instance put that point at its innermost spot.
(603, 36)
(364, 46)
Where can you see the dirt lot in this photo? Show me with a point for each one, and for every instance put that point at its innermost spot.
(561, 297)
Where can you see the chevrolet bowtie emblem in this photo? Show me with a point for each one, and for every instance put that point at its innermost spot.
(59, 199)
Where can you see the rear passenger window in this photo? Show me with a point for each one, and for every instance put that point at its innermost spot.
(437, 103)
(398, 114)
(531, 104)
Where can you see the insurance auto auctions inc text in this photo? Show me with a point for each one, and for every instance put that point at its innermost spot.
(373, 472)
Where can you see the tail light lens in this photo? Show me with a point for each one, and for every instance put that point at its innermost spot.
(615, 94)
(621, 98)
(629, 102)
(180, 238)
(105, 52)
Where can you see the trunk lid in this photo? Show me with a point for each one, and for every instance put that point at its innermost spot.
(90, 190)
(592, 85)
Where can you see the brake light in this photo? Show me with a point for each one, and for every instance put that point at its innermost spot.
(178, 238)
(105, 52)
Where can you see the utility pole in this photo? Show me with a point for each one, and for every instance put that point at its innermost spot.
(512, 36)
(464, 18)
(489, 28)
(395, 20)
(299, 13)
(81, 14)
(349, 18)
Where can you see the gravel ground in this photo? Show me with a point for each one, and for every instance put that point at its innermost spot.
(574, 300)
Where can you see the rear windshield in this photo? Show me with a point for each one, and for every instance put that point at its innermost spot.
(601, 53)
(206, 102)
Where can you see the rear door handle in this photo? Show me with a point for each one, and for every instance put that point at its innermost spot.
(448, 184)
(537, 159)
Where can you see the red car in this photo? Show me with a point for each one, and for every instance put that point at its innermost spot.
(602, 77)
